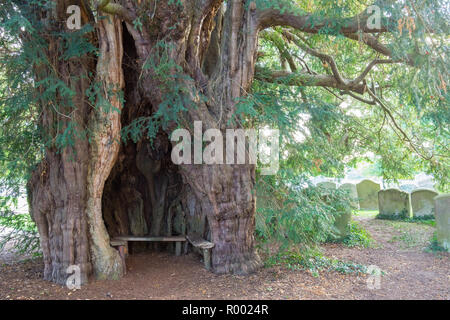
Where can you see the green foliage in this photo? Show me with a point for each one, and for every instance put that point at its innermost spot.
(340, 131)
(313, 262)
(434, 245)
(291, 211)
(175, 94)
(357, 236)
(18, 230)
(428, 219)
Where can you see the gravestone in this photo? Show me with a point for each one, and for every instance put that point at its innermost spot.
(394, 203)
(368, 194)
(341, 222)
(327, 185)
(442, 213)
(422, 202)
(351, 189)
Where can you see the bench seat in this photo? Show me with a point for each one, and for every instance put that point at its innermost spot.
(150, 239)
(121, 242)
(204, 246)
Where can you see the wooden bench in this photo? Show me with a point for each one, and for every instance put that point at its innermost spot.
(204, 246)
(122, 246)
(121, 242)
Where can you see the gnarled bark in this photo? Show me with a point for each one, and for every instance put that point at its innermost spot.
(104, 146)
(68, 205)
(66, 188)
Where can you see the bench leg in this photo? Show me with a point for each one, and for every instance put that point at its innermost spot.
(207, 258)
(178, 248)
(122, 252)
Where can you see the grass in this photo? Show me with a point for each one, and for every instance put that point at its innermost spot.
(434, 246)
(366, 213)
(410, 232)
(357, 236)
(430, 220)
(407, 239)
(375, 214)
(314, 263)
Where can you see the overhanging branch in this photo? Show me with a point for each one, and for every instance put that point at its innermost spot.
(312, 24)
(324, 57)
(394, 122)
(369, 67)
(373, 43)
(308, 80)
(276, 39)
(115, 9)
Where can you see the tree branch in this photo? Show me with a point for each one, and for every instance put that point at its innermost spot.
(370, 102)
(312, 24)
(322, 56)
(116, 9)
(307, 80)
(369, 67)
(276, 39)
(405, 136)
(373, 43)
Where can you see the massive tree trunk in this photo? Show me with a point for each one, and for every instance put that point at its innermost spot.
(68, 189)
(189, 58)
(104, 146)
(58, 193)
(224, 191)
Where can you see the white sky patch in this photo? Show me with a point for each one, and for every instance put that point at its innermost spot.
(352, 108)
(303, 131)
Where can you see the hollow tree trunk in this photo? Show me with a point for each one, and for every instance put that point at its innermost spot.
(57, 187)
(58, 197)
(224, 191)
(226, 195)
(229, 201)
(104, 146)
(66, 188)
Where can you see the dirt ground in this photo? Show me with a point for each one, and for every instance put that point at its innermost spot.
(409, 272)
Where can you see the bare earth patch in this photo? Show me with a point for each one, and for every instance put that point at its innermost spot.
(410, 273)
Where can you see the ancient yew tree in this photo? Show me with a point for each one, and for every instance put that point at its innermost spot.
(109, 95)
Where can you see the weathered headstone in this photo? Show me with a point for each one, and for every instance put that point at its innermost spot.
(422, 202)
(394, 203)
(442, 213)
(327, 185)
(368, 194)
(341, 222)
(351, 189)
